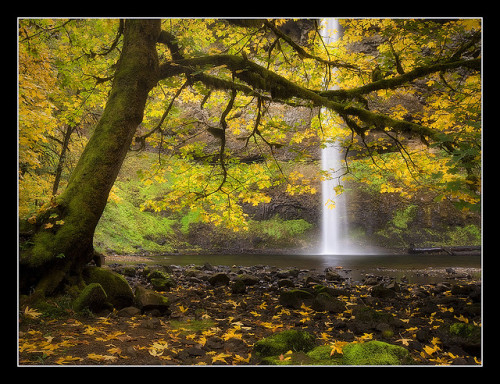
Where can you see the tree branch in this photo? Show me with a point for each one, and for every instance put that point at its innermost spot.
(302, 52)
(401, 79)
(280, 88)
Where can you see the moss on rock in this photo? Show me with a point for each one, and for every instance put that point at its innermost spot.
(375, 353)
(116, 287)
(282, 342)
(161, 281)
(92, 297)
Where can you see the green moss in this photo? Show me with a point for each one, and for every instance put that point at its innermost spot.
(42, 250)
(277, 228)
(375, 353)
(282, 342)
(468, 331)
(116, 287)
(369, 314)
(403, 217)
(92, 297)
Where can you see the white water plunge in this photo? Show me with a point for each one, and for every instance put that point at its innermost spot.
(334, 225)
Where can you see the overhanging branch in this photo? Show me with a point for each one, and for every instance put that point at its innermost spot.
(260, 78)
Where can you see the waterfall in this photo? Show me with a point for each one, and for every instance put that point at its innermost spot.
(334, 225)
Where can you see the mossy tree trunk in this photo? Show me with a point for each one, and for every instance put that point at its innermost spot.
(62, 241)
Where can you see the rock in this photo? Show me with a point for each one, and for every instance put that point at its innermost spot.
(334, 292)
(294, 297)
(370, 280)
(285, 283)
(382, 292)
(117, 289)
(151, 323)
(129, 312)
(282, 342)
(207, 267)
(324, 302)
(161, 281)
(147, 300)
(214, 342)
(332, 275)
(129, 271)
(238, 286)
(284, 273)
(375, 353)
(248, 279)
(92, 297)
(195, 351)
(465, 290)
(219, 279)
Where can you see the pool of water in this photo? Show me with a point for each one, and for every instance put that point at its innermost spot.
(420, 268)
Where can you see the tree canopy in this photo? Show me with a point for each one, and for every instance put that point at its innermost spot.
(395, 79)
(210, 97)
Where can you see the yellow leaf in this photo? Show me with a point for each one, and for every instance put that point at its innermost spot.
(462, 318)
(337, 347)
(220, 357)
(404, 341)
(241, 359)
(48, 225)
(155, 352)
(182, 309)
(67, 360)
(96, 357)
(31, 313)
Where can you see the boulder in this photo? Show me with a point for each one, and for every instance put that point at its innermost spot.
(324, 302)
(382, 292)
(161, 281)
(92, 297)
(148, 300)
(238, 286)
(128, 312)
(375, 353)
(117, 289)
(294, 298)
(219, 279)
(248, 279)
(282, 342)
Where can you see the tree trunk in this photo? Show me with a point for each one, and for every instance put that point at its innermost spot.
(62, 243)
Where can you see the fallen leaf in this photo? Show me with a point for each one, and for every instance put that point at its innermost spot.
(404, 341)
(220, 357)
(33, 313)
(96, 357)
(67, 360)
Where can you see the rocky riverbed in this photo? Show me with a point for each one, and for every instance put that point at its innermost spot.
(217, 314)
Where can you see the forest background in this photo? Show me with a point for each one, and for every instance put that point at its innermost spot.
(180, 188)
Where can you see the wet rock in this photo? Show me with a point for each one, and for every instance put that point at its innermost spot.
(238, 286)
(282, 342)
(287, 273)
(147, 300)
(285, 283)
(151, 323)
(294, 298)
(92, 297)
(248, 279)
(128, 312)
(324, 302)
(219, 279)
(382, 292)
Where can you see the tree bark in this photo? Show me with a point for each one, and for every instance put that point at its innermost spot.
(62, 243)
